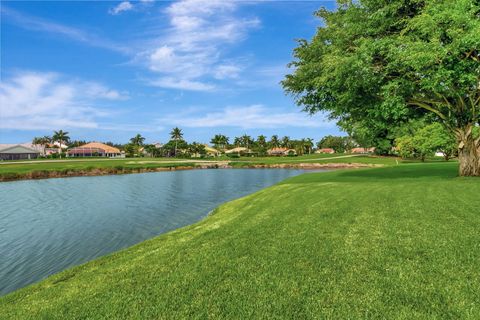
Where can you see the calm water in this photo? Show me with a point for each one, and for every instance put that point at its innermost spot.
(49, 225)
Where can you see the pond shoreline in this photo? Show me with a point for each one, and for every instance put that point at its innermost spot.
(49, 174)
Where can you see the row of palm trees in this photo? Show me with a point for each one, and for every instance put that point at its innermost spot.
(302, 146)
(176, 138)
(60, 136)
(220, 141)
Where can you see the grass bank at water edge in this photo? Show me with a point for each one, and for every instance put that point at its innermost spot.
(39, 169)
(398, 242)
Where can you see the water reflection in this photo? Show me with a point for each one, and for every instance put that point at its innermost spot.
(49, 225)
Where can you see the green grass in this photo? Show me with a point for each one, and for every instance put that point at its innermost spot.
(334, 158)
(17, 169)
(59, 165)
(399, 242)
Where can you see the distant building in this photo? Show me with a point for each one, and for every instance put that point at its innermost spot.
(17, 152)
(57, 145)
(212, 151)
(50, 151)
(276, 151)
(325, 150)
(158, 145)
(239, 151)
(95, 149)
(281, 152)
(363, 150)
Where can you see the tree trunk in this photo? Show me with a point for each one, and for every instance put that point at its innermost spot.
(468, 153)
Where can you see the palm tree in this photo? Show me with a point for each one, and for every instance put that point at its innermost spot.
(262, 141)
(237, 141)
(274, 142)
(39, 141)
(224, 141)
(220, 141)
(176, 135)
(216, 141)
(246, 140)
(196, 149)
(151, 150)
(300, 146)
(61, 137)
(46, 140)
(309, 145)
(286, 143)
(137, 140)
(42, 141)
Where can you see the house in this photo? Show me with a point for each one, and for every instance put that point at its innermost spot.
(158, 145)
(325, 150)
(276, 151)
(95, 149)
(363, 150)
(58, 145)
(281, 152)
(50, 151)
(212, 151)
(17, 152)
(239, 151)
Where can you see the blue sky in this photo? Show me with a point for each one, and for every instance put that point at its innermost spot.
(107, 70)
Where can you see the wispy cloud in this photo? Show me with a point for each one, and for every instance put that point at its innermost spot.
(248, 117)
(182, 84)
(121, 7)
(32, 100)
(191, 49)
(39, 24)
(129, 6)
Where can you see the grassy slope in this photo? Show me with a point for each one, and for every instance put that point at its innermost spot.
(395, 242)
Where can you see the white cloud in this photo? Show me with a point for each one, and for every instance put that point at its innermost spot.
(226, 71)
(38, 24)
(32, 100)
(96, 90)
(121, 7)
(192, 48)
(254, 116)
(183, 84)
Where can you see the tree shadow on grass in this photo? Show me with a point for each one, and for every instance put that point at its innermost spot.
(421, 171)
(407, 171)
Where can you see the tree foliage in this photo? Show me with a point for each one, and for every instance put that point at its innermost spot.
(378, 63)
(137, 140)
(339, 144)
(426, 142)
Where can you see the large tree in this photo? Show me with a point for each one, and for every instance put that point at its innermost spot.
(385, 62)
(337, 143)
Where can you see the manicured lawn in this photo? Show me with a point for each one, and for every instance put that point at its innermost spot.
(13, 167)
(399, 242)
(318, 158)
(59, 165)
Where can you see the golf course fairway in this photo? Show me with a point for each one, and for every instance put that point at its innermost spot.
(399, 242)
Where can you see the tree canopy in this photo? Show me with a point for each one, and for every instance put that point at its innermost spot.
(339, 144)
(377, 63)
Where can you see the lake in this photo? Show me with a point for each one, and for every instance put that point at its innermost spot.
(49, 225)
